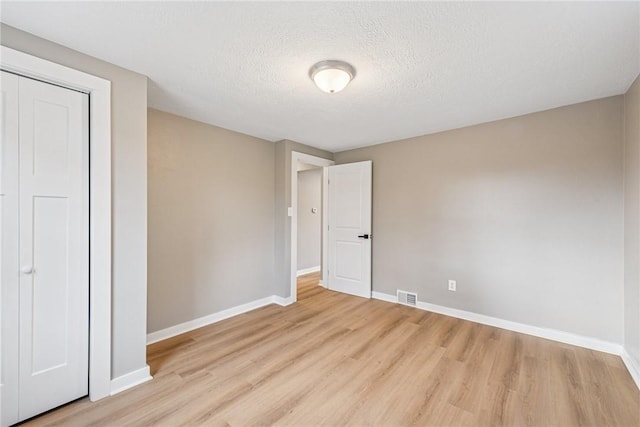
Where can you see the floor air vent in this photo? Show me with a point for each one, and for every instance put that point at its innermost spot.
(407, 298)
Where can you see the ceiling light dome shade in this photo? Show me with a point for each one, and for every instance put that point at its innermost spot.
(332, 76)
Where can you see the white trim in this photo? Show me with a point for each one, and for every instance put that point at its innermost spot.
(323, 284)
(316, 161)
(190, 325)
(325, 227)
(99, 91)
(632, 366)
(551, 334)
(309, 270)
(282, 301)
(384, 297)
(132, 379)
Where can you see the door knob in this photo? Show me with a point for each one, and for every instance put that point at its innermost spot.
(27, 270)
(364, 236)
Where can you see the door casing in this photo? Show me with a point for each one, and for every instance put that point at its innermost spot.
(296, 158)
(99, 91)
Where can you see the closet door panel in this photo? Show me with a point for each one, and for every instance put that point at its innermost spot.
(54, 284)
(9, 266)
(50, 293)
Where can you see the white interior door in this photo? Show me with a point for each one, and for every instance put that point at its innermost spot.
(349, 223)
(52, 249)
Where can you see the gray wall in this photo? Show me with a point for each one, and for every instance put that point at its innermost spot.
(211, 219)
(129, 186)
(309, 224)
(632, 221)
(525, 213)
(282, 252)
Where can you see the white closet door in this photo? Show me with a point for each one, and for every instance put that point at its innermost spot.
(53, 246)
(9, 248)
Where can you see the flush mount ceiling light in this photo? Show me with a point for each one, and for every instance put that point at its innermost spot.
(332, 76)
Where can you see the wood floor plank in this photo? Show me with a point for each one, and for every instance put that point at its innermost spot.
(333, 359)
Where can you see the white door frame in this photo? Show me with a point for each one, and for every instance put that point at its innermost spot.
(296, 158)
(99, 91)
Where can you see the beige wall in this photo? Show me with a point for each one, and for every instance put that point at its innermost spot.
(525, 213)
(219, 234)
(632, 221)
(129, 186)
(211, 219)
(309, 223)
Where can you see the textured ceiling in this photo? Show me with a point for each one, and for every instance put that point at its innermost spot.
(421, 67)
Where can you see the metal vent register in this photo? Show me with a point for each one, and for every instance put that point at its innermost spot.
(407, 298)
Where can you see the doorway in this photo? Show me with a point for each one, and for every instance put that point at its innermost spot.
(307, 162)
(309, 219)
(346, 224)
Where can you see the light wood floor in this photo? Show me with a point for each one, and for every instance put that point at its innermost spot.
(333, 359)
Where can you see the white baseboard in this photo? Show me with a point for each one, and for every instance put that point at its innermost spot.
(324, 285)
(632, 366)
(307, 270)
(551, 334)
(384, 297)
(132, 379)
(282, 300)
(181, 328)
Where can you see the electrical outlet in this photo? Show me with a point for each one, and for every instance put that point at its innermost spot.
(452, 285)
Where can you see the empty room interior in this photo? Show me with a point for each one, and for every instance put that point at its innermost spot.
(320, 213)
